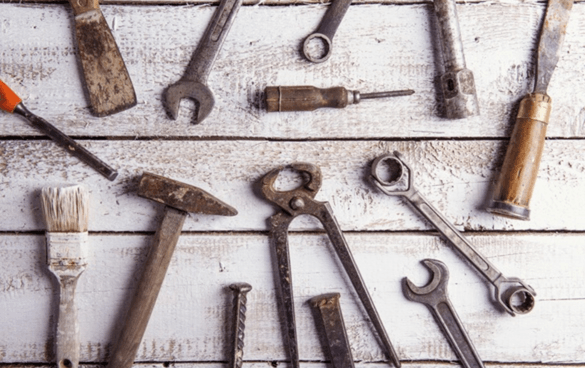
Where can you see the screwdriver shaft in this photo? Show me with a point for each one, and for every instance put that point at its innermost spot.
(404, 92)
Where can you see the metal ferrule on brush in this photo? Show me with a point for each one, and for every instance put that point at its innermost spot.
(67, 249)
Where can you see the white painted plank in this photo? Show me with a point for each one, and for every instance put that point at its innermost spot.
(456, 176)
(190, 320)
(377, 47)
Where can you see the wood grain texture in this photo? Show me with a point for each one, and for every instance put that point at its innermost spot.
(377, 47)
(457, 177)
(190, 321)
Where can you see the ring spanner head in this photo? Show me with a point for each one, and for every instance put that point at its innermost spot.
(435, 291)
(196, 91)
(396, 169)
(292, 200)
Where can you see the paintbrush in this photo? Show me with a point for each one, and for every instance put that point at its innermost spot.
(66, 213)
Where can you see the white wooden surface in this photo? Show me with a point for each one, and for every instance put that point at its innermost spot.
(378, 47)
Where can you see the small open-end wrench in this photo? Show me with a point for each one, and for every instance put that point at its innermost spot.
(331, 322)
(435, 297)
(193, 84)
(512, 294)
(326, 30)
(457, 82)
(301, 201)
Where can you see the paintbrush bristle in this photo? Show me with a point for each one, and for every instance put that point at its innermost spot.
(66, 210)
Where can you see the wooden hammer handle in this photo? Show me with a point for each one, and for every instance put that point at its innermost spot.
(83, 6)
(514, 190)
(155, 269)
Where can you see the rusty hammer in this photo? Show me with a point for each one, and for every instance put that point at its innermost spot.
(179, 198)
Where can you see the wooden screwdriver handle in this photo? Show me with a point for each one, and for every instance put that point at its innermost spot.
(155, 269)
(304, 98)
(516, 183)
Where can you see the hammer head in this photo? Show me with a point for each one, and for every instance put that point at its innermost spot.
(196, 91)
(182, 196)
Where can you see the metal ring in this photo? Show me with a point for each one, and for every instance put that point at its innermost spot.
(328, 47)
(396, 174)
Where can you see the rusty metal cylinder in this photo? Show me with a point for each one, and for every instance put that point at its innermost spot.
(457, 82)
(307, 98)
(518, 175)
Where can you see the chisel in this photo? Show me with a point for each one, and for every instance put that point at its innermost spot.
(518, 175)
(10, 102)
(107, 81)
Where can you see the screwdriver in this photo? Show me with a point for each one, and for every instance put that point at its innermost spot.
(309, 98)
(518, 175)
(10, 102)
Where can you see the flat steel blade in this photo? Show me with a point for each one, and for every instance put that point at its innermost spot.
(551, 41)
(107, 80)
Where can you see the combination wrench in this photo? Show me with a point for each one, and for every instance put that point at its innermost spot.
(193, 84)
(434, 295)
(515, 296)
(301, 201)
(326, 30)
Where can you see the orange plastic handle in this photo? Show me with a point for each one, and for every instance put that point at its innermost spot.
(8, 99)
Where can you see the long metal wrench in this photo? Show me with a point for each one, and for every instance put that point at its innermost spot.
(434, 295)
(512, 294)
(301, 201)
(326, 30)
(193, 83)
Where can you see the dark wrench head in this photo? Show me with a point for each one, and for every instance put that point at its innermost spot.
(196, 91)
(396, 170)
(292, 200)
(309, 52)
(435, 291)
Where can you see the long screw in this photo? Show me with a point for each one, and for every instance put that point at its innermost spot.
(240, 291)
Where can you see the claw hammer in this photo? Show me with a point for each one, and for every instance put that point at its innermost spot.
(179, 198)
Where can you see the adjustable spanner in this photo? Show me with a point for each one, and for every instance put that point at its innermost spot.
(512, 294)
(301, 201)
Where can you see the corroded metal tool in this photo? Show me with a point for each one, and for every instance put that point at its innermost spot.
(193, 83)
(331, 323)
(511, 293)
(11, 103)
(518, 175)
(180, 199)
(107, 81)
(329, 24)
(309, 98)
(301, 201)
(434, 295)
(457, 82)
(240, 298)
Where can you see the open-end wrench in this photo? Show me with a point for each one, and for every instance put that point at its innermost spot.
(326, 30)
(193, 84)
(512, 294)
(301, 201)
(435, 297)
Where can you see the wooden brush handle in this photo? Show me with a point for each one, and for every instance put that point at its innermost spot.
(67, 337)
(83, 6)
(520, 169)
(155, 269)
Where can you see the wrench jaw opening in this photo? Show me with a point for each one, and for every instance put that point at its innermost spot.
(428, 294)
(515, 296)
(309, 50)
(296, 201)
(196, 91)
(396, 169)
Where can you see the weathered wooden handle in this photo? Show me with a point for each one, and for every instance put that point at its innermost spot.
(67, 338)
(155, 269)
(83, 6)
(514, 190)
(304, 98)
